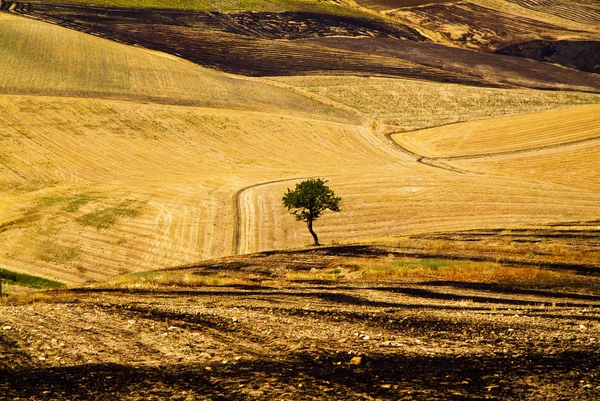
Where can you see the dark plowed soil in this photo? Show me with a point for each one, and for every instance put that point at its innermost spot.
(492, 67)
(580, 55)
(269, 44)
(264, 25)
(421, 339)
(382, 5)
(486, 28)
(245, 43)
(472, 26)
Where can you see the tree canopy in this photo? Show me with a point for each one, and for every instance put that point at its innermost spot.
(309, 200)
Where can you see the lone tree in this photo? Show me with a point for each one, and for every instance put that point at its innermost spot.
(311, 198)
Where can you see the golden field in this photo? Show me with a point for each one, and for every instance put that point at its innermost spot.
(408, 105)
(114, 159)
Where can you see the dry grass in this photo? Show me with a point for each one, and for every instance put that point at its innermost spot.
(41, 297)
(43, 59)
(410, 105)
(171, 278)
(180, 166)
(571, 166)
(561, 147)
(67, 165)
(184, 166)
(468, 271)
(506, 134)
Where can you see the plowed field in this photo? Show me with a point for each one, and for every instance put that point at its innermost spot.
(480, 27)
(571, 10)
(281, 334)
(262, 44)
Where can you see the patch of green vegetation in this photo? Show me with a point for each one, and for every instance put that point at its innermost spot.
(72, 203)
(78, 201)
(26, 280)
(424, 266)
(105, 218)
(18, 222)
(27, 186)
(52, 252)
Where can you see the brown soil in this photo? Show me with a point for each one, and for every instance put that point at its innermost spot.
(485, 28)
(496, 68)
(580, 55)
(408, 338)
(266, 44)
(580, 13)
(382, 5)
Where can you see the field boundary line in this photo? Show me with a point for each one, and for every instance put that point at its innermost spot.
(437, 161)
(427, 161)
(518, 151)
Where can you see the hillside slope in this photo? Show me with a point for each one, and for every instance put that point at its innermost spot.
(42, 59)
(308, 43)
(109, 165)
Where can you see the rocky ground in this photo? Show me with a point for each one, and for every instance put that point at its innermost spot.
(272, 337)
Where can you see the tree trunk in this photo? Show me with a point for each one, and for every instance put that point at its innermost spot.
(310, 229)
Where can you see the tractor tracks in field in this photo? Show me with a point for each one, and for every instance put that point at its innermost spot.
(519, 151)
(441, 161)
(427, 161)
(237, 209)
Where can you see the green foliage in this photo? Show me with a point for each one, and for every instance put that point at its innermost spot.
(309, 200)
(26, 280)
(71, 203)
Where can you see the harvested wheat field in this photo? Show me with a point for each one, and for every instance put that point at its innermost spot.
(141, 187)
(99, 187)
(408, 105)
(507, 135)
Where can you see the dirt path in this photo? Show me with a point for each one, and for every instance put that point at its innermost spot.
(428, 161)
(237, 207)
(439, 161)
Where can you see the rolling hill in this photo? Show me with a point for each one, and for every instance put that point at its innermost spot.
(116, 158)
(410, 43)
(145, 147)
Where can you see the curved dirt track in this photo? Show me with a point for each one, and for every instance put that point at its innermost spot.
(428, 161)
(237, 207)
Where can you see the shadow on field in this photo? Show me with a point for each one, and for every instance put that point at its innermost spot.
(370, 251)
(277, 296)
(305, 376)
(442, 296)
(344, 297)
(505, 289)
